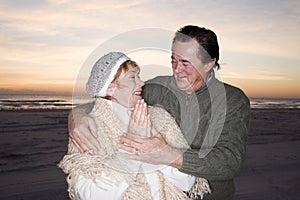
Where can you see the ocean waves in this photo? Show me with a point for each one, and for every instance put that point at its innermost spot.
(35, 104)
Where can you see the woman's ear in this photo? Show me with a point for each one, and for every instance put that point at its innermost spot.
(210, 65)
(111, 89)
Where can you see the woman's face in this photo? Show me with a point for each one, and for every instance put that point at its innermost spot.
(128, 87)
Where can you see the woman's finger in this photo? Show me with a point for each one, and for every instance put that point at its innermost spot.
(148, 127)
(144, 115)
(135, 113)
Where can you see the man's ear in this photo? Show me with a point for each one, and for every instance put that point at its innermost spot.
(210, 65)
(111, 89)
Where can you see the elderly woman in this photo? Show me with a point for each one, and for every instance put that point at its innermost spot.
(119, 109)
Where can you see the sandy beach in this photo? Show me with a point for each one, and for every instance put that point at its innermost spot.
(32, 142)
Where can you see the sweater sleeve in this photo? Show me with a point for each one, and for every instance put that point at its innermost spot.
(224, 160)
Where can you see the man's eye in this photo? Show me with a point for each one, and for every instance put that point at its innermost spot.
(186, 64)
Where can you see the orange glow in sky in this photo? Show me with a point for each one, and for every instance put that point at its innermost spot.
(44, 44)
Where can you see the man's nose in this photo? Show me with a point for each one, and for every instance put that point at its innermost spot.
(177, 67)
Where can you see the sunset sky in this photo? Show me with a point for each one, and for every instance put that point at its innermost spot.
(45, 44)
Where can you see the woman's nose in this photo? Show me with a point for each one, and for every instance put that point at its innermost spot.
(140, 82)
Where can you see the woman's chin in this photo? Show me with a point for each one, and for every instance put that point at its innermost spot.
(134, 100)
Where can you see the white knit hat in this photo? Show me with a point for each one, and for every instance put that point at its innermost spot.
(103, 73)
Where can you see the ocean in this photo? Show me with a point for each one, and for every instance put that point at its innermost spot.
(26, 101)
(37, 101)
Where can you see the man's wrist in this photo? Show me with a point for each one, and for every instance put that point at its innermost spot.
(178, 161)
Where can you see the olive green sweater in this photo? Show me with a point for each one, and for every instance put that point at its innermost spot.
(214, 121)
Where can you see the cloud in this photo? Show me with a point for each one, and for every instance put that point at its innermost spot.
(255, 75)
(264, 27)
(58, 35)
(247, 27)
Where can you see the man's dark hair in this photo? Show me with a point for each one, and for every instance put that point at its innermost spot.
(207, 39)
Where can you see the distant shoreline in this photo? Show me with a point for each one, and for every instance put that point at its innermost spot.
(36, 110)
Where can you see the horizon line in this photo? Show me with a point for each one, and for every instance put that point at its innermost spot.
(69, 93)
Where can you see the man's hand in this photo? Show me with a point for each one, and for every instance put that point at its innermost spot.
(154, 150)
(83, 131)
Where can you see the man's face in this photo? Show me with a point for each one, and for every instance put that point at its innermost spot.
(128, 89)
(188, 70)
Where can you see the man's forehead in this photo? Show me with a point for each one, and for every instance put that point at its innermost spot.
(186, 52)
(185, 49)
(179, 57)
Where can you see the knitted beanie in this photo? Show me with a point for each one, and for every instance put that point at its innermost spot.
(103, 73)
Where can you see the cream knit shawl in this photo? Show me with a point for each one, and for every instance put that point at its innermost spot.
(110, 162)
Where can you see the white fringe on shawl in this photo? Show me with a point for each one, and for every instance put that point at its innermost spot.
(108, 161)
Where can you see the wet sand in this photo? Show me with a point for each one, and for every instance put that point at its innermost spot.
(32, 142)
